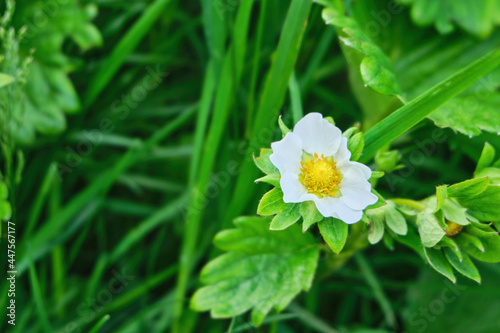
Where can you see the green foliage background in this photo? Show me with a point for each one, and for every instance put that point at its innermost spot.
(127, 142)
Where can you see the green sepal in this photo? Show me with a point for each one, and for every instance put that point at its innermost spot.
(264, 163)
(463, 265)
(284, 129)
(440, 263)
(376, 175)
(466, 241)
(468, 189)
(441, 195)
(273, 179)
(447, 242)
(493, 175)
(355, 145)
(429, 229)
(455, 213)
(271, 203)
(388, 241)
(487, 156)
(395, 220)
(376, 229)
(286, 217)
(310, 214)
(349, 132)
(334, 232)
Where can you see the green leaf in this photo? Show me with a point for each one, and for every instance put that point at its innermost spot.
(377, 175)
(487, 156)
(261, 271)
(395, 220)
(493, 175)
(271, 203)
(334, 232)
(264, 163)
(441, 195)
(376, 229)
(466, 242)
(355, 145)
(455, 213)
(491, 242)
(429, 229)
(485, 206)
(4, 192)
(469, 115)
(439, 262)
(376, 68)
(476, 17)
(464, 265)
(469, 188)
(310, 214)
(286, 217)
(5, 80)
(273, 179)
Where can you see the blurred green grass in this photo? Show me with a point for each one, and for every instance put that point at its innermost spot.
(160, 168)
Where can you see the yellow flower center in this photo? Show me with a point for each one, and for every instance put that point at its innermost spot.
(320, 175)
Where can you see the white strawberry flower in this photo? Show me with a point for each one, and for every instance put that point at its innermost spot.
(314, 164)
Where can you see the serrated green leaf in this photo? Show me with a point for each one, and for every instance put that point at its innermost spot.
(450, 243)
(491, 243)
(468, 188)
(469, 118)
(487, 156)
(463, 265)
(454, 212)
(355, 145)
(428, 227)
(271, 203)
(334, 232)
(441, 195)
(376, 68)
(438, 261)
(273, 179)
(286, 217)
(484, 206)
(264, 163)
(376, 229)
(395, 220)
(310, 214)
(262, 270)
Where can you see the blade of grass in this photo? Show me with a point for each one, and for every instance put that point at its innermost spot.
(230, 78)
(310, 319)
(38, 298)
(99, 324)
(295, 99)
(372, 280)
(126, 45)
(271, 101)
(403, 119)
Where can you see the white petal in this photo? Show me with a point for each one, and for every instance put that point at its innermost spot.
(293, 190)
(354, 177)
(287, 154)
(326, 206)
(357, 199)
(347, 214)
(318, 135)
(342, 155)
